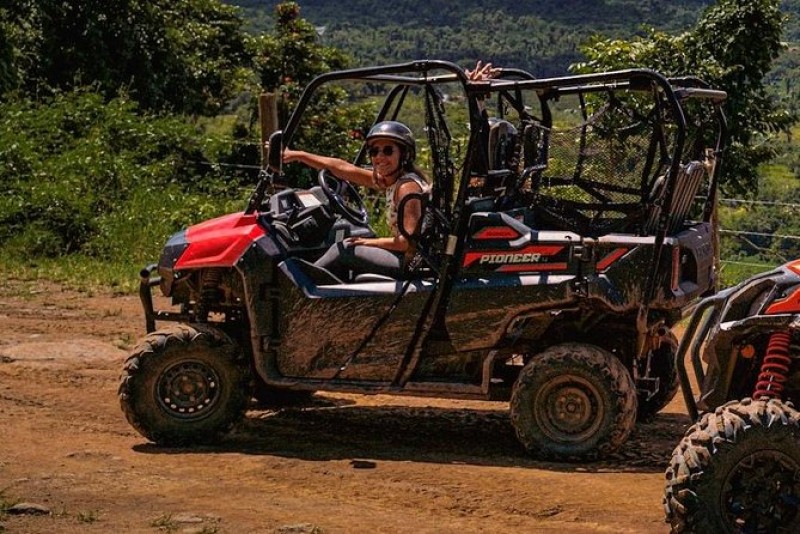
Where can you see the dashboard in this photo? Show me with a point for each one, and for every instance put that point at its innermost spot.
(304, 221)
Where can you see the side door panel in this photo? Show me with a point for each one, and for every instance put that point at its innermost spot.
(322, 326)
(507, 269)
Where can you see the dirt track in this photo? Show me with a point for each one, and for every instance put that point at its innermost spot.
(345, 463)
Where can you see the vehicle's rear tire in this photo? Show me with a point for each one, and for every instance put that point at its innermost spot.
(737, 470)
(573, 401)
(663, 367)
(184, 385)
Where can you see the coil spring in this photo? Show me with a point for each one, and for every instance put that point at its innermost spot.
(775, 367)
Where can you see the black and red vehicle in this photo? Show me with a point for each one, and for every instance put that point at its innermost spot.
(567, 227)
(738, 467)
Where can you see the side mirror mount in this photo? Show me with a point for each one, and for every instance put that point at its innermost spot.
(274, 158)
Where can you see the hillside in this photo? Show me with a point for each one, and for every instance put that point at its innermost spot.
(542, 37)
(539, 36)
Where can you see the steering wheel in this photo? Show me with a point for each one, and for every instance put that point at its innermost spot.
(343, 197)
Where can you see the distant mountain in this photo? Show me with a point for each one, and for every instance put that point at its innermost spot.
(538, 35)
(541, 36)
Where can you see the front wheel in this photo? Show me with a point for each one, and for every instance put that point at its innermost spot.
(573, 402)
(737, 470)
(184, 385)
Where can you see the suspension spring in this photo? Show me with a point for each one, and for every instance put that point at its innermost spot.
(775, 367)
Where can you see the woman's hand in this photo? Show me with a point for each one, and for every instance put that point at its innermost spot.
(292, 155)
(355, 241)
(482, 72)
(394, 244)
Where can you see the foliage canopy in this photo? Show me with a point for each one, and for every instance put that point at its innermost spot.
(719, 49)
(89, 171)
(186, 56)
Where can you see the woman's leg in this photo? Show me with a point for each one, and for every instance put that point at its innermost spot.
(342, 260)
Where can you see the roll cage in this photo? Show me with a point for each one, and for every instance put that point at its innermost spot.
(511, 91)
(580, 198)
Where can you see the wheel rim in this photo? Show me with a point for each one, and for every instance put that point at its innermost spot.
(568, 409)
(762, 493)
(188, 390)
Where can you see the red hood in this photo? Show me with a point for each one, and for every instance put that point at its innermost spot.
(219, 242)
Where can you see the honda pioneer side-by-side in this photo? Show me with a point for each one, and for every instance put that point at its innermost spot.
(738, 467)
(567, 226)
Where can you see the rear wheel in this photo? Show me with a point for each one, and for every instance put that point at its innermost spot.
(737, 470)
(573, 402)
(183, 385)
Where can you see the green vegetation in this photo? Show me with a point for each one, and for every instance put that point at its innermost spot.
(88, 516)
(541, 37)
(165, 522)
(759, 235)
(177, 55)
(95, 180)
(100, 179)
(719, 50)
(122, 121)
(6, 502)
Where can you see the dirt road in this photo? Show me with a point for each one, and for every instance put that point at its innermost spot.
(345, 463)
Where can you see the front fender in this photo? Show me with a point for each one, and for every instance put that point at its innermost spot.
(219, 242)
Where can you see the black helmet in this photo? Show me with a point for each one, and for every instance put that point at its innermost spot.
(396, 131)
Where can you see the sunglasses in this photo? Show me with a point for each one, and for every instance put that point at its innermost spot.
(387, 150)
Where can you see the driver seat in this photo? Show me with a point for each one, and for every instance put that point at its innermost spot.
(421, 239)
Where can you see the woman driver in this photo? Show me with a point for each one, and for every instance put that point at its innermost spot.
(392, 149)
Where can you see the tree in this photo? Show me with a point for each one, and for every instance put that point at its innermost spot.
(185, 56)
(732, 47)
(291, 57)
(8, 78)
(286, 61)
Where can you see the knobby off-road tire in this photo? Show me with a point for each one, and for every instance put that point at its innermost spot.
(663, 366)
(737, 470)
(185, 385)
(573, 402)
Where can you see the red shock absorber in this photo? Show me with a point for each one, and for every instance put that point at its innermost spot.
(775, 367)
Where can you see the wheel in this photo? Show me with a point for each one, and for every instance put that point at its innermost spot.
(272, 397)
(344, 198)
(184, 385)
(573, 402)
(662, 366)
(737, 470)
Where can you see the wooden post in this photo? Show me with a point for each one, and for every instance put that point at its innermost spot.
(268, 117)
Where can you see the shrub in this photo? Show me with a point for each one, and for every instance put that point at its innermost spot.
(84, 176)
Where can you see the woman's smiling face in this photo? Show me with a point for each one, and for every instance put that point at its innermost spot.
(385, 156)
